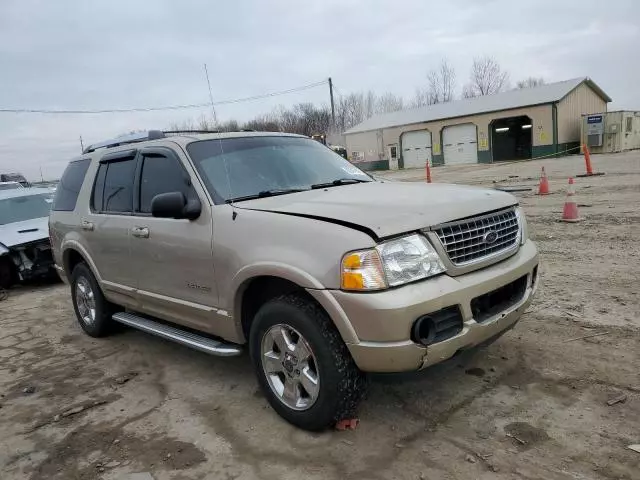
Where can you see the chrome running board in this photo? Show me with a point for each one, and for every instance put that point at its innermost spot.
(189, 339)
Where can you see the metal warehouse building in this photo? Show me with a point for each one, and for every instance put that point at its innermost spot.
(513, 125)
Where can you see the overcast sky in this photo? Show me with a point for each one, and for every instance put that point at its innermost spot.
(118, 54)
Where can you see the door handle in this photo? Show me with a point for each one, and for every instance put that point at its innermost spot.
(86, 225)
(140, 232)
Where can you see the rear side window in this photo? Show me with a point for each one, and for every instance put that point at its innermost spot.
(161, 174)
(117, 189)
(70, 185)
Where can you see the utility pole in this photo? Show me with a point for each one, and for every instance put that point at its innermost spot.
(333, 108)
(81, 145)
(213, 109)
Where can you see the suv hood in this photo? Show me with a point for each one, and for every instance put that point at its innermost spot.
(388, 208)
(17, 233)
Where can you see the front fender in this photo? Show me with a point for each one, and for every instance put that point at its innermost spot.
(302, 279)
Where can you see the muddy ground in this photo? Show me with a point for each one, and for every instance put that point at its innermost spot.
(531, 406)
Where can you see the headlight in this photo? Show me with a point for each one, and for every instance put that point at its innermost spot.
(391, 263)
(524, 228)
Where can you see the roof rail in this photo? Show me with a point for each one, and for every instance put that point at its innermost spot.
(126, 139)
(172, 132)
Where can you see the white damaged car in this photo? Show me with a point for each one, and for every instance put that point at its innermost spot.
(25, 248)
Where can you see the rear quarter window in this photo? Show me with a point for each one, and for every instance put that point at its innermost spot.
(70, 185)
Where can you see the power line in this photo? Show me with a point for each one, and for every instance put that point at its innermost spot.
(169, 107)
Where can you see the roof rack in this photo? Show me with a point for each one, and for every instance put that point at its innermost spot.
(146, 136)
(139, 137)
(126, 139)
(173, 132)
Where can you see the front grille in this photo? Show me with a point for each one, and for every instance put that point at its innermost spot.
(490, 304)
(465, 241)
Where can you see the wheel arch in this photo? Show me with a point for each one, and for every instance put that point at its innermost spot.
(72, 254)
(255, 290)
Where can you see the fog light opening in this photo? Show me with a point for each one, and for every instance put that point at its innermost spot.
(424, 331)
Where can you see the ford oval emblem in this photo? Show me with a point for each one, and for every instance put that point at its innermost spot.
(490, 237)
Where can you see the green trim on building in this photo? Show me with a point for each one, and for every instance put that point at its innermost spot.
(437, 160)
(573, 146)
(484, 156)
(376, 165)
(542, 150)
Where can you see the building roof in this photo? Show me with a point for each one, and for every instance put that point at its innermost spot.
(526, 97)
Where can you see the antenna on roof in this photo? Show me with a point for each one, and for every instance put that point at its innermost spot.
(213, 108)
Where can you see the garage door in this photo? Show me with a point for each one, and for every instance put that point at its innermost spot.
(460, 144)
(416, 148)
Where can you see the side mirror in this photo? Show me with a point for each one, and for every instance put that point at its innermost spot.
(175, 205)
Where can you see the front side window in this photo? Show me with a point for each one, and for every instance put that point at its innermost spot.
(70, 184)
(19, 209)
(233, 168)
(117, 196)
(161, 174)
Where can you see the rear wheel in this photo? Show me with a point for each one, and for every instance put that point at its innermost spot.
(303, 366)
(92, 309)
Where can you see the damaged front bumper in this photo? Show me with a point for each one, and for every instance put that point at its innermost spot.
(26, 261)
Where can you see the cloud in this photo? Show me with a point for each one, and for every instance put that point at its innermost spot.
(117, 54)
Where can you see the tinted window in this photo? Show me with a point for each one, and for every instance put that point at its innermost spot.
(161, 175)
(118, 186)
(19, 209)
(98, 188)
(70, 184)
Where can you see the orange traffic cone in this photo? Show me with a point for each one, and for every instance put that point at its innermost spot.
(570, 212)
(544, 184)
(587, 162)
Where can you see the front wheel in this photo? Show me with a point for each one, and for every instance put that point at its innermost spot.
(303, 366)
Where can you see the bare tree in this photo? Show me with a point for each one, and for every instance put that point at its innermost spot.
(388, 103)
(350, 111)
(370, 102)
(487, 78)
(420, 98)
(441, 83)
(530, 82)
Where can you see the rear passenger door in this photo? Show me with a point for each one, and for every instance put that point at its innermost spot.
(106, 228)
(172, 257)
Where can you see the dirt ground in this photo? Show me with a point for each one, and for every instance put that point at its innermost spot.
(534, 405)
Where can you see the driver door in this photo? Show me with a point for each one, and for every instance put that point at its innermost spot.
(172, 257)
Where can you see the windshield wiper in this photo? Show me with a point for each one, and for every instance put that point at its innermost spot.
(338, 182)
(266, 193)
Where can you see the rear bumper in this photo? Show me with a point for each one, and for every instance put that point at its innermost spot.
(382, 321)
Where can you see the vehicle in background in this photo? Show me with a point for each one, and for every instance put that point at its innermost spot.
(25, 248)
(10, 185)
(14, 177)
(340, 150)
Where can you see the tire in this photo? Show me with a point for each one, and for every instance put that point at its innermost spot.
(8, 274)
(340, 384)
(100, 323)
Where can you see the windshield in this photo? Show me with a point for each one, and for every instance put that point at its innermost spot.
(250, 166)
(18, 209)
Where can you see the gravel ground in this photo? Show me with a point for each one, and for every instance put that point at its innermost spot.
(534, 405)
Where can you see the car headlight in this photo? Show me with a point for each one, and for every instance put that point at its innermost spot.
(390, 264)
(524, 228)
